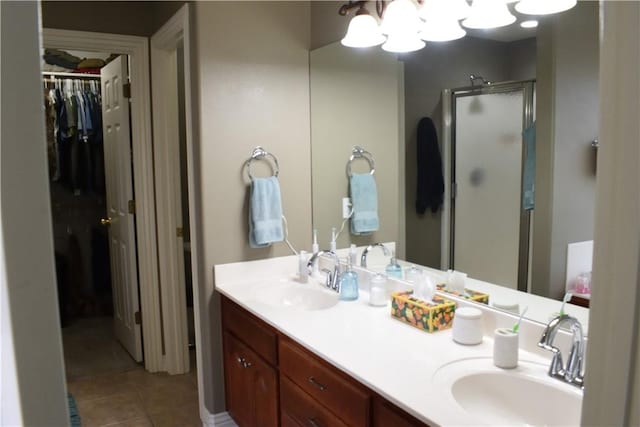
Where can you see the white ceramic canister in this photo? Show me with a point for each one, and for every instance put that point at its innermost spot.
(467, 326)
(505, 348)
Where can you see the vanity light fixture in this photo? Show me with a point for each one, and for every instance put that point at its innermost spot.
(441, 20)
(544, 7)
(401, 24)
(405, 25)
(363, 30)
(486, 14)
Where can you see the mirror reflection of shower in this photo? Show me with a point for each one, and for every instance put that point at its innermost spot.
(474, 78)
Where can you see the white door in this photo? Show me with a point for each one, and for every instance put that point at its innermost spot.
(119, 182)
(487, 174)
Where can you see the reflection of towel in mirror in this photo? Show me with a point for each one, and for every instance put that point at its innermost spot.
(430, 185)
(364, 197)
(529, 173)
(265, 212)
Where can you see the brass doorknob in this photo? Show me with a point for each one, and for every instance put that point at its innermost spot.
(105, 221)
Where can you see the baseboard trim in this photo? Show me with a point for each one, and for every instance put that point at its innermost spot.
(221, 419)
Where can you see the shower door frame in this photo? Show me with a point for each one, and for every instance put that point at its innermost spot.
(449, 97)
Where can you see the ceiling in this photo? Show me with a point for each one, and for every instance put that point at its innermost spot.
(509, 33)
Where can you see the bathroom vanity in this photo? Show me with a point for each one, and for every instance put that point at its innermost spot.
(270, 377)
(294, 355)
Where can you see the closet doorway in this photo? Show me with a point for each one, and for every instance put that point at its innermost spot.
(89, 152)
(163, 301)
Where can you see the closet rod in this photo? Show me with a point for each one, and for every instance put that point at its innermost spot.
(75, 75)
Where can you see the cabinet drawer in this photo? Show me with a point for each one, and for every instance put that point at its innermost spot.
(347, 399)
(299, 409)
(252, 331)
(386, 414)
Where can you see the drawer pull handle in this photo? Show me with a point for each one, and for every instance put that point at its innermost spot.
(316, 384)
(313, 422)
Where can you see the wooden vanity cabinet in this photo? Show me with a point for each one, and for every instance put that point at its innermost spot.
(250, 361)
(334, 390)
(386, 414)
(270, 380)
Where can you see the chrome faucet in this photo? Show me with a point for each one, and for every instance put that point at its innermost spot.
(363, 258)
(572, 373)
(333, 277)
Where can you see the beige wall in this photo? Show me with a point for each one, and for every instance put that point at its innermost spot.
(326, 25)
(355, 100)
(252, 89)
(566, 172)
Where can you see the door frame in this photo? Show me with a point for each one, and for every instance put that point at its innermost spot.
(164, 44)
(138, 50)
(163, 47)
(448, 156)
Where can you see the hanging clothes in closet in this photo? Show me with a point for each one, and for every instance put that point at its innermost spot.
(74, 133)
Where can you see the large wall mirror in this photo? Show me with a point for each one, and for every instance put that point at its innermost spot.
(511, 207)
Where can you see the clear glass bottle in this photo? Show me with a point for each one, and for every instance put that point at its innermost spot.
(394, 269)
(349, 284)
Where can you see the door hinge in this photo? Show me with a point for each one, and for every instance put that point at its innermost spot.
(454, 190)
(138, 318)
(132, 207)
(126, 90)
(179, 232)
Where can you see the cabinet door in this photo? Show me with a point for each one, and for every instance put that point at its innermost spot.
(263, 389)
(236, 381)
(251, 386)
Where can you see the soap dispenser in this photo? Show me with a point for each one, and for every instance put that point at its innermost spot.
(394, 269)
(349, 284)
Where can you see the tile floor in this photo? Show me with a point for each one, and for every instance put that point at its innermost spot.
(120, 394)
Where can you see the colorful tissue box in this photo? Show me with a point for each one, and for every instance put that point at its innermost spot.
(430, 317)
(469, 294)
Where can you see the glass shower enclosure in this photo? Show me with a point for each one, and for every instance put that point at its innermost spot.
(489, 179)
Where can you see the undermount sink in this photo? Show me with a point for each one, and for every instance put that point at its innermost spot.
(303, 296)
(525, 395)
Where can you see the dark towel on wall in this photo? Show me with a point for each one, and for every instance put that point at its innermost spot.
(430, 180)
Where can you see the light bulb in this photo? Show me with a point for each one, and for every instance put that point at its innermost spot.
(363, 31)
(544, 7)
(458, 9)
(401, 43)
(401, 16)
(487, 14)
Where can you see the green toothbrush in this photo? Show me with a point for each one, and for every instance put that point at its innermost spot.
(517, 325)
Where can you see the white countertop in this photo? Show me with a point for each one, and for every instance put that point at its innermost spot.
(392, 358)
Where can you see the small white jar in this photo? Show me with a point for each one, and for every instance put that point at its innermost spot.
(467, 326)
(378, 294)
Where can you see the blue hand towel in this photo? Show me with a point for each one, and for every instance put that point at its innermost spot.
(265, 213)
(364, 198)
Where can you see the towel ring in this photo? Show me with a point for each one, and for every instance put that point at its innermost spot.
(260, 153)
(360, 153)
